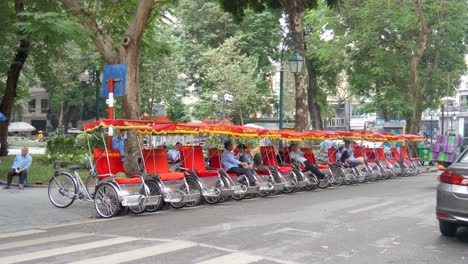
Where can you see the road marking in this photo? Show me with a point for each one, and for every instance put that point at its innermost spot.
(39, 241)
(65, 250)
(355, 211)
(21, 233)
(234, 258)
(139, 253)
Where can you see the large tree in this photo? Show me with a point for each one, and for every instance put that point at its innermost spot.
(105, 20)
(27, 27)
(399, 53)
(295, 11)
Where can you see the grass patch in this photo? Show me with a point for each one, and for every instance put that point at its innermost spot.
(40, 171)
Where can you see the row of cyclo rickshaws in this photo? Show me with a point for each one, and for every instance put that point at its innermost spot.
(198, 175)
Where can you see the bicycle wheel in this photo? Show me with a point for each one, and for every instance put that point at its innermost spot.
(137, 209)
(90, 184)
(338, 176)
(154, 190)
(62, 190)
(106, 200)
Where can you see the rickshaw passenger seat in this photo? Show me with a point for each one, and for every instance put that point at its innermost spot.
(191, 157)
(115, 165)
(214, 157)
(115, 162)
(156, 163)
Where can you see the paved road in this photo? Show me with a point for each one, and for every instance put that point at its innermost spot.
(385, 222)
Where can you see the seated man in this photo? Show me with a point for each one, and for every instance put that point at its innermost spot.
(297, 156)
(347, 156)
(232, 165)
(243, 155)
(20, 167)
(173, 155)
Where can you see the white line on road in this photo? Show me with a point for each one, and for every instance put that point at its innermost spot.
(21, 233)
(140, 253)
(39, 241)
(65, 250)
(360, 210)
(234, 258)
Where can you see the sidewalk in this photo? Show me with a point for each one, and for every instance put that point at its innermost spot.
(31, 208)
(32, 150)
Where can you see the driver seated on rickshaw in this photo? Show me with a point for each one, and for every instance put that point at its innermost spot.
(232, 165)
(346, 155)
(297, 156)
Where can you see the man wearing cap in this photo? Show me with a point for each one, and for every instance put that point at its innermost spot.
(40, 136)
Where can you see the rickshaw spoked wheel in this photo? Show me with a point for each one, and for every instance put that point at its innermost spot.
(194, 188)
(154, 189)
(106, 200)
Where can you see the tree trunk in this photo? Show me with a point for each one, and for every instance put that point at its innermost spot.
(417, 90)
(129, 54)
(13, 74)
(295, 9)
(314, 107)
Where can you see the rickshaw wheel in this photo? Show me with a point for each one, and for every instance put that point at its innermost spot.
(292, 179)
(138, 209)
(90, 184)
(214, 199)
(154, 190)
(62, 190)
(338, 176)
(314, 182)
(194, 188)
(263, 193)
(106, 200)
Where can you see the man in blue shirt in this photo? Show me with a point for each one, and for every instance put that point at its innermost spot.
(232, 165)
(20, 167)
(118, 142)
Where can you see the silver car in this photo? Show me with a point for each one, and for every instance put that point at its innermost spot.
(452, 196)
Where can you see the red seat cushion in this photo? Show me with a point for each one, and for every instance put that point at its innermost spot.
(232, 175)
(207, 173)
(171, 176)
(128, 180)
(284, 169)
(415, 158)
(262, 173)
(393, 161)
(323, 167)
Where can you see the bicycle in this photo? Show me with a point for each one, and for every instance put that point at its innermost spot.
(65, 187)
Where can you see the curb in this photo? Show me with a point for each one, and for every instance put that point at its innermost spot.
(26, 185)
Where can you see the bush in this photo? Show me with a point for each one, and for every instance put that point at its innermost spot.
(65, 151)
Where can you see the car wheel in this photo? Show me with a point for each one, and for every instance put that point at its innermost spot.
(448, 229)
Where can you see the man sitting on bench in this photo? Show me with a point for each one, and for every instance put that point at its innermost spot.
(232, 165)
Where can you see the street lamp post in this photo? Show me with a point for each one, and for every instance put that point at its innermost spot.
(295, 66)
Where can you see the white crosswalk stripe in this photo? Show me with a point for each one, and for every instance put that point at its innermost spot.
(38, 246)
(39, 241)
(65, 250)
(234, 258)
(21, 233)
(139, 253)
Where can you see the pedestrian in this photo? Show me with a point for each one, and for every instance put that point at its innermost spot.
(40, 136)
(20, 167)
